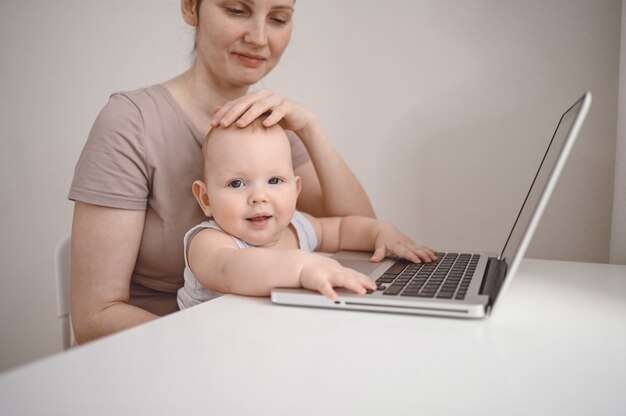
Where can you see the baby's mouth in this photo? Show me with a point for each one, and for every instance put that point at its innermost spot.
(259, 219)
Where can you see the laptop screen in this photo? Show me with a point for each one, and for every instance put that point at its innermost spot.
(544, 181)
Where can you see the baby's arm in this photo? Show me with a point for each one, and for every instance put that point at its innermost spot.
(220, 266)
(368, 234)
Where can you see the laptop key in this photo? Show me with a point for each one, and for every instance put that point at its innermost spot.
(394, 289)
(445, 295)
(417, 295)
(386, 278)
(397, 267)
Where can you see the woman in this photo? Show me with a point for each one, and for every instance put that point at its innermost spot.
(132, 182)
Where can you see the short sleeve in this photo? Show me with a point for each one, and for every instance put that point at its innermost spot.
(299, 155)
(112, 169)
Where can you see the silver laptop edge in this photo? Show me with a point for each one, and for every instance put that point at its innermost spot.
(493, 273)
(579, 112)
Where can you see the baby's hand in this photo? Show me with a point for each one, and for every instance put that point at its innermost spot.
(323, 273)
(391, 242)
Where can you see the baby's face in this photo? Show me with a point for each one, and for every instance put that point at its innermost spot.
(251, 186)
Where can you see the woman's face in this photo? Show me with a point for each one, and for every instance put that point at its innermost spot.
(239, 42)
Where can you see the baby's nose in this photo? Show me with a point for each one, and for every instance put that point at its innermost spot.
(258, 195)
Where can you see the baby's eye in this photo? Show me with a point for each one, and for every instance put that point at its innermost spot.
(236, 183)
(275, 181)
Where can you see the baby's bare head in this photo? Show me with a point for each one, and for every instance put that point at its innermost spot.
(234, 145)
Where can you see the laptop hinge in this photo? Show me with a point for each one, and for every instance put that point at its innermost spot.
(493, 278)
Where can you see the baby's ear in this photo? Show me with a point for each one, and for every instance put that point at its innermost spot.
(200, 192)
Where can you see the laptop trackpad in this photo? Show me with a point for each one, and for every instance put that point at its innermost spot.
(364, 267)
(360, 262)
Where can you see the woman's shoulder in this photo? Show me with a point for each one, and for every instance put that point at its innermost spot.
(140, 108)
(125, 120)
(141, 98)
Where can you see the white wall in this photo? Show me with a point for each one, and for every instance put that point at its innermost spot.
(618, 235)
(428, 95)
(59, 62)
(465, 95)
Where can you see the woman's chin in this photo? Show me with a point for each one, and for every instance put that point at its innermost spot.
(246, 77)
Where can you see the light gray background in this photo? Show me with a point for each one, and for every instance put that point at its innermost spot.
(423, 96)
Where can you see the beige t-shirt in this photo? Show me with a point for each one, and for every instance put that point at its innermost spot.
(143, 153)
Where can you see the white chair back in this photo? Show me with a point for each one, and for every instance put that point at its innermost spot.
(62, 272)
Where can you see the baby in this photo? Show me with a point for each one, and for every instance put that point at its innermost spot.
(256, 240)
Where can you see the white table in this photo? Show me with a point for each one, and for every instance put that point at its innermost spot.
(556, 346)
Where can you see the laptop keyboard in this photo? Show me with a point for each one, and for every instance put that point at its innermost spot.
(448, 277)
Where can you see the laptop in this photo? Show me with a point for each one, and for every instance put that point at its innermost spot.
(462, 285)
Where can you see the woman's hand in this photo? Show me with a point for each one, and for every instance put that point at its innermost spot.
(244, 110)
(391, 242)
(329, 187)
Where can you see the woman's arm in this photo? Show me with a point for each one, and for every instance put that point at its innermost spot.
(105, 243)
(329, 188)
